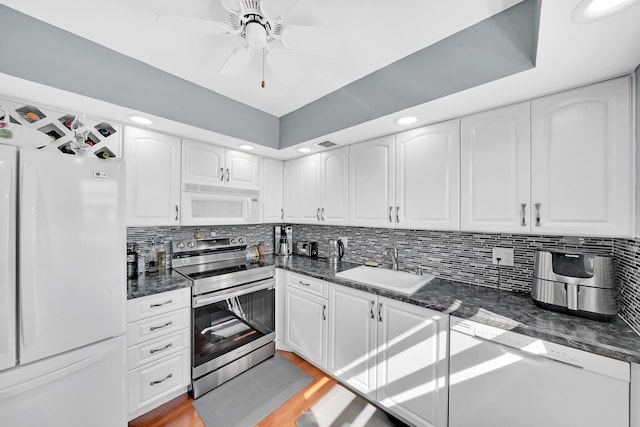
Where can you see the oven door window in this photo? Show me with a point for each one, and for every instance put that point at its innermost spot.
(224, 326)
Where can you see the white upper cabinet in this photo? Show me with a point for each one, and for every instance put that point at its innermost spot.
(242, 169)
(320, 192)
(334, 188)
(495, 170)
(208, 164)
(272, 190)
(372, 182)
(581, 161)
(291, 186)
(309, 191)
(153, 178)
(428, 177)
(411, 180)
(202, 163)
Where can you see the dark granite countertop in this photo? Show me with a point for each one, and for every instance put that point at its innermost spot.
(502, 309)
(155, 283)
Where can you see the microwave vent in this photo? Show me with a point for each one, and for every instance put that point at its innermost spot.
(327, 144)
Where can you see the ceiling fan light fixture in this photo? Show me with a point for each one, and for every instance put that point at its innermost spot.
(256, 35)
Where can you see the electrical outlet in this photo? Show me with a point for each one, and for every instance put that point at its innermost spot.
(505, 255)
(345, 241)
(212, 234)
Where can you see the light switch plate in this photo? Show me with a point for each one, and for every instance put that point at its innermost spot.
(505, 255)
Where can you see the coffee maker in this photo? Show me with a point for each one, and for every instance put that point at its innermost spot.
(283, 239)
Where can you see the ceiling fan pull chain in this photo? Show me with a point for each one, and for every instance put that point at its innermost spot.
(263, 68)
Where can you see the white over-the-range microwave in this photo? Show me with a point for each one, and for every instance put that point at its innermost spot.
(210, 204)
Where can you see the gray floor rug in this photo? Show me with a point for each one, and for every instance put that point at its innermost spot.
(252, 395)
(341, 408)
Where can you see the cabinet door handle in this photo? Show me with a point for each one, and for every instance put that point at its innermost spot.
(161, 304)
(282, 214)
(390, 210)
(166, 347)
(373, 304)
(322, 214)
(538, 214)
(324, 312)
(523, 214)
(162, 380)
(318, 214)
(380, 312)
(153, 328)
(398, 214)
(228, 174)
(303, 284)
(177, 213)
(221, 174)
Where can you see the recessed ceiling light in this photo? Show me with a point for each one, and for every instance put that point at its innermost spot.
(592, 10)
(304, 149)
(246, 147)
(406, 121)
(140, 120)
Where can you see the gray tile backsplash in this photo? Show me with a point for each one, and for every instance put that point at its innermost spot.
(455, 255)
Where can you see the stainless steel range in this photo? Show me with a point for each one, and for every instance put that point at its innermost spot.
(232, 306)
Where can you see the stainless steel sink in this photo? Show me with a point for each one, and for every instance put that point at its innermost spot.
(393, 280)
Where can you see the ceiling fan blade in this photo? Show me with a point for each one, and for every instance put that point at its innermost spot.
(285, 69)
(237, 63)
(323, 41)
(277, 8)
(192, 25)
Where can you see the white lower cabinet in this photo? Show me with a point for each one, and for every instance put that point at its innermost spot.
(393, 352)
(159, 349)
(306, 324)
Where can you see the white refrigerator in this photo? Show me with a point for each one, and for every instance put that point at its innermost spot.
(62, 289)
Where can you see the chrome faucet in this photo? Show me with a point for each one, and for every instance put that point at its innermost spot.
(393, 254)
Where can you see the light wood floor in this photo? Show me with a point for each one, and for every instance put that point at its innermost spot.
(180, 413)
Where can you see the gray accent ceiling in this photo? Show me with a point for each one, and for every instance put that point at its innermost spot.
(93, 70)
(497, 47)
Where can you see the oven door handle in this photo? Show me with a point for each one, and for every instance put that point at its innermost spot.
(235, 292)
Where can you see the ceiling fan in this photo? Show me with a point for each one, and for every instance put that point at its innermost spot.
(261, 24)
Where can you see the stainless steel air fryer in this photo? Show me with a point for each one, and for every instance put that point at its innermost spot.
(581, 284)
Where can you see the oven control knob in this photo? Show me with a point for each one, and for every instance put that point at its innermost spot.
(233, 241)
(180, 245)
(191, 244)
(241, 240)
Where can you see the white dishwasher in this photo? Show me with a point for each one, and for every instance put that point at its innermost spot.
(500, 378)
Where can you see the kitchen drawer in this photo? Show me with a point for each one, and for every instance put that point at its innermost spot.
(150, 351)
(152, 305)
(309, 284)
(155, 380)
(158, 326)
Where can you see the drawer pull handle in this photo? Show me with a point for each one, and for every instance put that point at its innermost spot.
(281, 214)
(162, 380)
(380, 312)
(228, 174)
(324, 312)
(523, 214)
(390, 210)
(153, 328)
(161, 304)
(177, 213)
(304, 284)
(221, 174)
(538, 214)
(166, 347)
(373, 316)
(398, 214)
(318, 214)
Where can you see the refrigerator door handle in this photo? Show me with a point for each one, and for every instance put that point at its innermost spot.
(30, 276)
